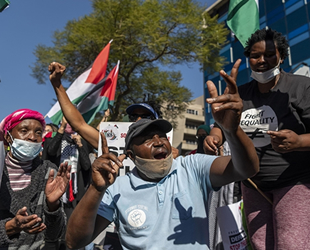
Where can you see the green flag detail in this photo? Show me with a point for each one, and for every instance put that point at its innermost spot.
(4, 4)
(243, 19)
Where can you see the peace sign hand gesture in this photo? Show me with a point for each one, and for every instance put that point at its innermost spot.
(226, 108)
(105, 167)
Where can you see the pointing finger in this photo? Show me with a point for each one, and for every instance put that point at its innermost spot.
(275, 134)
(105, 149)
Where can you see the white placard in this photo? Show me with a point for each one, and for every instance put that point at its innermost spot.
(231, 225)
(115, 133)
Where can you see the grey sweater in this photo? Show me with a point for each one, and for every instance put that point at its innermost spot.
(33, 198)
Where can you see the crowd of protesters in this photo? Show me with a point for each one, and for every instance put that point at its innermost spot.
(55, 194)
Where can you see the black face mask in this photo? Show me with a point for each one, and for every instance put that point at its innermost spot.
(200, 140)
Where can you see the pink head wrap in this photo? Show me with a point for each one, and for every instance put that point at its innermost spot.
(17, 117)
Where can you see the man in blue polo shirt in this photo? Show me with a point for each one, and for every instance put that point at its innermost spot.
(162, 203)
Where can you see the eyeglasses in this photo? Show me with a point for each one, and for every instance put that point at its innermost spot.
(134, 117)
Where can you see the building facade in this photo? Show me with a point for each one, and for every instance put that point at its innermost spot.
(290, 17)
(184, 136)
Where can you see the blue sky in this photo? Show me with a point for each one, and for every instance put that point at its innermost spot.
(26, 24)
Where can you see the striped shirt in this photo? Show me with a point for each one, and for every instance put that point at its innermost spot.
(19, 172)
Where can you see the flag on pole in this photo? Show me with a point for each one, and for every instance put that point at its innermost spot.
(243, 18)
(100, 97)
(84, 83)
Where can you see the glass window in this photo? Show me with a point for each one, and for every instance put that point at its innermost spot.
(290, 2)
(275, 12)
(237, 50)
(226, 55)
(225, 48)
(285, 65)
(263, 25)
(228, 67)
(243, 77)
(299, 39)
(300, 51)
(279, 26)
(222, 18)
(294, 7)
(214, 77)
(296, 19)
(261, 6)
(276, 18)
(298, 31)
(262, 19)
(272, 4)
(242, 65)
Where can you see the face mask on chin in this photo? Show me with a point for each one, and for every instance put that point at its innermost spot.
(267, 76)
(154, 169)
(24, 150)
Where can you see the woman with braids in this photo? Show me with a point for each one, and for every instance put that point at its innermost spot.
(276, 116)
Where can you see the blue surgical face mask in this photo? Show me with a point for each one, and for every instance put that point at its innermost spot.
(24, 150)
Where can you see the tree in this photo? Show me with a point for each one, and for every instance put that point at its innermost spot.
(148, 37)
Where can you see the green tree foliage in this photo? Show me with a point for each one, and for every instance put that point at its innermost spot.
(149, 37)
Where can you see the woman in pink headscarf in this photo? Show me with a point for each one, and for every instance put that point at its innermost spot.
(31, 213)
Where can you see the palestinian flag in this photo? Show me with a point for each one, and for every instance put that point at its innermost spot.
(100, 97)
(84, 84)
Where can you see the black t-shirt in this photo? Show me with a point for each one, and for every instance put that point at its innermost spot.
(286, 106)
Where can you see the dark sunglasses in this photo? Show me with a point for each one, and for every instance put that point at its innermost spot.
(134, 117)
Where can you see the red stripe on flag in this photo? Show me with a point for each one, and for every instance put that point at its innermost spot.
(99, 66)
(109, 87)
(71, 197)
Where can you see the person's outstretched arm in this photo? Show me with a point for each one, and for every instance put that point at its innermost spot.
(73, 116)
(226, 111)
(84, 224)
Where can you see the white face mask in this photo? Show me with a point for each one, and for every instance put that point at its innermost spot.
(267, 76)
(154, 169)
(24, 150)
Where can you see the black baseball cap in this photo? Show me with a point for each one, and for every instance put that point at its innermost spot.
(138, 127)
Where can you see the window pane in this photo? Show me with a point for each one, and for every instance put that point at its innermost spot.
(226, 55)
(300, 51)
(279, 26)
(296, 19)
(243, 77)
(272, 4)
(237, 50)
(261, 5)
